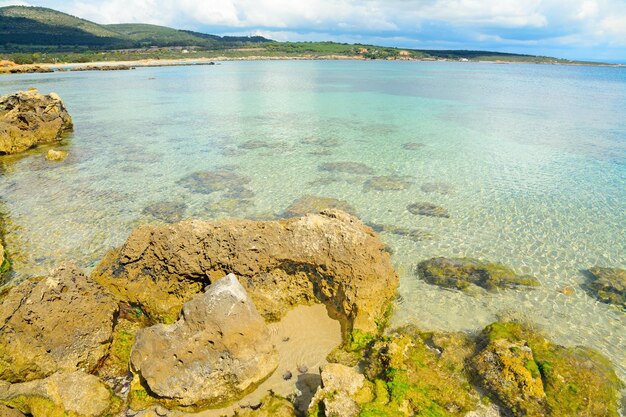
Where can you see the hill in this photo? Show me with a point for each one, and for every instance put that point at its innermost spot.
(40, 35)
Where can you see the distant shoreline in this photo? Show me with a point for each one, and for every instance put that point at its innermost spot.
(146, 63)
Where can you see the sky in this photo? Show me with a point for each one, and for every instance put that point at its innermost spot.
(572, 29)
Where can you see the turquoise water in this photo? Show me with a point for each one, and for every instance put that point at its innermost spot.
(529, 161)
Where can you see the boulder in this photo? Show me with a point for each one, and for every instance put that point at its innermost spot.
(28, 118)
(329, 257)
(609, 285)
(216, 352)
(56, 156)
(62, 322)
(340, 385)
(463, 273)
(509, 371)
(74, 394)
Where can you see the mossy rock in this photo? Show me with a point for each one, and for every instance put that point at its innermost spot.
(577, 381)
(463, 273)
(118, 358)
(608, 285)
(410, 378)
(271, 406)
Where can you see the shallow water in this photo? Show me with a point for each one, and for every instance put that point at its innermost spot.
(529, 161)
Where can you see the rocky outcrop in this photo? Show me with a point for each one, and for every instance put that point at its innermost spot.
(217, 351)
(531, 376)
(28, 118)
(62, 322)
(341, 385)
(329, 257)
(63, 394)
(609, 285)
(463, 273)
(508, 370)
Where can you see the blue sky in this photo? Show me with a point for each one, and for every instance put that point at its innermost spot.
(574, 29)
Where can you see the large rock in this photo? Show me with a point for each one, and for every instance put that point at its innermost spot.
(462, 273)
(217, 351)
(28, 118)
(73, 394)
(331, 257)
(340, 385)
(62, 322)
(609, 285)
(508, 370)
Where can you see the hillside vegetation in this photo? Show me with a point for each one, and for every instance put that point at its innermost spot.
(31, 35)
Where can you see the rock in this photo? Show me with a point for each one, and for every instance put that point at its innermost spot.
(321, 142)
(271, 406)
(329, 257)
(24, 69)
(356, 168)
(207, 182)
(310, 204)
(437, 187)
(509, 371)
(609, 285)
(166, 211)
(412, 379)
(62, 322)
(28, 118)
(340, 384)
(54, 155)
(412, 146)
(462, 273)
(387, 183)
(577, 381)
(416, 235)
(10, 412)
(216, 352)
(62, 394)
(428, 209)
(4, 261)
(257, 144)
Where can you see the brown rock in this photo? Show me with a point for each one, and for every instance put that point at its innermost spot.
(311, 204)
(329, 257)
(217, 351)
(62, 394)
(28, 118)
(62, 322)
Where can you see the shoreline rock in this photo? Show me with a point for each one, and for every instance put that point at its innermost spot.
(217, 351)
(608, 285)
(330, 258)
(28, 118)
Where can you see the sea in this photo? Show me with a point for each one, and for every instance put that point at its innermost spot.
(527, 164)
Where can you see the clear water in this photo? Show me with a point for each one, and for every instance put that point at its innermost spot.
(534, 158)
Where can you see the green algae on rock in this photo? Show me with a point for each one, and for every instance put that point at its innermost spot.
(311, 204)
(271, 406)
(462, 273)
(28, 118)
(74, 394)
(577, 381)
(609, 285)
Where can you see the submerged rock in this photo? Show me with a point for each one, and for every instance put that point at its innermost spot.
(311, 204)
(412, 146)
(257, 144)
(461, 273)
(207, 182)
(28, 118)
(218, 350)
(166, 211)
(609, 285)
(356, 168)
(387, 183)
(428, 209)
(437, 187)
(56, 156)
(62, 322)
(329, 257)
(533, 377)
(62, 394)
(322, 142)
(413, 234)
